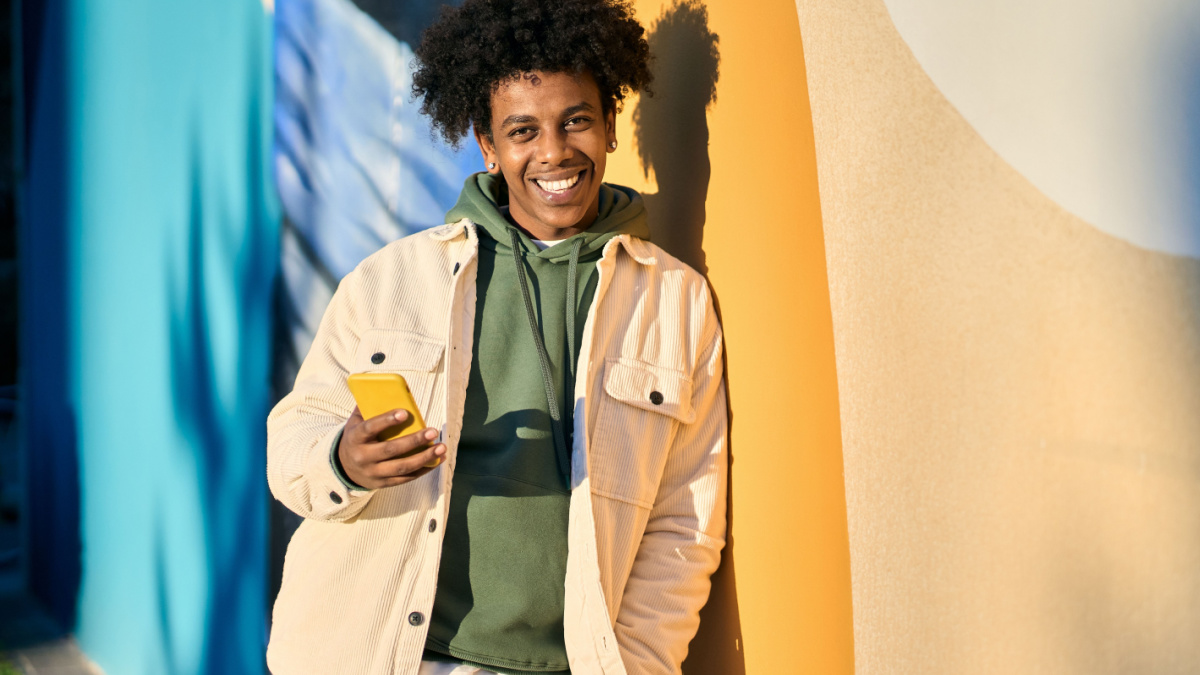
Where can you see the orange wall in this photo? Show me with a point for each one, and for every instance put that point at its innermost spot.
(782, 598)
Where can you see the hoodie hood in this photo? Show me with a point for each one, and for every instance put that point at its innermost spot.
(622, 211)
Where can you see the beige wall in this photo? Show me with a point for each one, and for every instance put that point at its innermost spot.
(1019, 392)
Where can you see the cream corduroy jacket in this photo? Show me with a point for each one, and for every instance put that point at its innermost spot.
(647, 514)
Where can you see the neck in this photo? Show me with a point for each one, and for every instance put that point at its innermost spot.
(541, 231)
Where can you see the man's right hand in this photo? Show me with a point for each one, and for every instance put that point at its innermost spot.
(372, 463)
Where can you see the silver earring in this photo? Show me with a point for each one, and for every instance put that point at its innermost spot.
(613, 145)
(491, 166)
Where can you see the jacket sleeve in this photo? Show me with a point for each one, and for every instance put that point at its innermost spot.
(304, 425)
(681, 547)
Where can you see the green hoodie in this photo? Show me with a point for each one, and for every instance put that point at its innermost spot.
(499, 601)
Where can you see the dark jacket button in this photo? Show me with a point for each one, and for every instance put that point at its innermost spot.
(433, 525)
(416, 618)
(377, 358)
(455, 269)
(655, 397)
(335, 498)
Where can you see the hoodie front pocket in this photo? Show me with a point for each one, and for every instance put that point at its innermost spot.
(639, 415)
(415, 357)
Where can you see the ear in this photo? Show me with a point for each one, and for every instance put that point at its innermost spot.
(488, 149)
(610, 128)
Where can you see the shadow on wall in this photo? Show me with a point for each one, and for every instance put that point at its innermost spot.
(671, 129)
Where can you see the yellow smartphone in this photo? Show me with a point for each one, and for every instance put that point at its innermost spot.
(377, 393)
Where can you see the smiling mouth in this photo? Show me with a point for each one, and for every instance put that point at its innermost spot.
(558, 186)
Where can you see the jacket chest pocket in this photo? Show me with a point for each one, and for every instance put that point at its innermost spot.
(413, 356)
(639, 413)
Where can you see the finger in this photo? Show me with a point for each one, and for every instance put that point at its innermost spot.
(413, 465)
(401, 480)
(353, 425)
(371, 428)
(405, 444)
(350, 429)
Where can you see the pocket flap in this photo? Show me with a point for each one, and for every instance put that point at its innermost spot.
(382, 350)
(653, 388)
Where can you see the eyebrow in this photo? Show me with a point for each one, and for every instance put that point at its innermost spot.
(517, 119)
(527, 119)
(578, 107)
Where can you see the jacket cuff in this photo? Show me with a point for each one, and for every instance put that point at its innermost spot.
(328, 497)
(336, 463)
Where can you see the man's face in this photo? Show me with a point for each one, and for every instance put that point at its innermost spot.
(550, 138)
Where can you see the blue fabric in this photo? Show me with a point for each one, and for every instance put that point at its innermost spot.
(154, 203)
(150, 257)
(49, 424)
(357, 165)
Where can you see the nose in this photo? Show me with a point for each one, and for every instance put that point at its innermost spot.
(554, 147)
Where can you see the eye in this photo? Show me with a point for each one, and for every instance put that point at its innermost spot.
(578, 122)
(521, 133)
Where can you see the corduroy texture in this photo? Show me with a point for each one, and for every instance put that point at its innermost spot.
(647, 517)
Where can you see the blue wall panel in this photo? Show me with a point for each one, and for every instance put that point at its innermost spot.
(51, 462)
(166, 252)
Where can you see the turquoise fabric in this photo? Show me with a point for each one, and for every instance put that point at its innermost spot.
(172, 232)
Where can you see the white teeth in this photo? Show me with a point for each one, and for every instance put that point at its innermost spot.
(559, 185)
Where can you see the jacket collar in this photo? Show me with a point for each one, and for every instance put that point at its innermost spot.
(638, 249)
(450, 230)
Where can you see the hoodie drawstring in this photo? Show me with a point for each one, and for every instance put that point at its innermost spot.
(558, 431)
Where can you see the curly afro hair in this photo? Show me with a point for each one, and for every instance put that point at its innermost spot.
(470, 50)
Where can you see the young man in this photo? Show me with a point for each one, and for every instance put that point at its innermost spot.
(571, 375)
